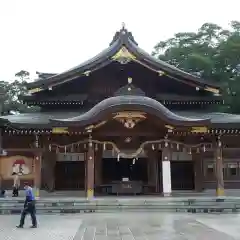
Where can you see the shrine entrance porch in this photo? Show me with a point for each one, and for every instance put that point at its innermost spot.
(123, 177)
(70, 175)
(182, 175)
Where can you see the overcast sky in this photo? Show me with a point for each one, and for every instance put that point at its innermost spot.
(54, 35)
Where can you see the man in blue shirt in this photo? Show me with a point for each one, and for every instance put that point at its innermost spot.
(29, 207)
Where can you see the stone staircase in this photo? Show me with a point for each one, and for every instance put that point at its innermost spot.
(66, 206)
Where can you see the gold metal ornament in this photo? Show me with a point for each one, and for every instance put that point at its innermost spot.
(35, 90)
(129, 119)
(123, 56)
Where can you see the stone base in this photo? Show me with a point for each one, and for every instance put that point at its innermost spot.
(37, 192)
(220, 192)
(90, 194)
(167, 194)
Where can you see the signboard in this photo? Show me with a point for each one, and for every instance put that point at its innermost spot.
(70, 157)
(181, 156)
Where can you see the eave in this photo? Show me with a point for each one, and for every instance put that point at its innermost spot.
(72, 98)
(103, 110)
(84, 69)
(175, 99)
(40, 122)
(123, 46)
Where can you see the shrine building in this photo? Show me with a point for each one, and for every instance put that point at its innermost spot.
(122, 122)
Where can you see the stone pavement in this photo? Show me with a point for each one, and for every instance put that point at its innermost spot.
(125, 226)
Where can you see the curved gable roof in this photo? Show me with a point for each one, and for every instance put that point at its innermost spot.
(123, 41)
(129, 103)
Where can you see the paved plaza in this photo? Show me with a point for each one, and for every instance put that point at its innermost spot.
(125, 226)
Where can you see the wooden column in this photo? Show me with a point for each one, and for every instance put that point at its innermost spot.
(98, 166)
(37, 173)
(90, 170)
(37, 168)
(48, 163)
(198, 170)
(152, 171)
(219, 169)
(1, 150)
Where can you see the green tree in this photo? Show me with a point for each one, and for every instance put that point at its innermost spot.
(23, 75)
(210, 53)
(9, 92)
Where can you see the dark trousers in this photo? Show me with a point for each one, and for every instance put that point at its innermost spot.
(30, 208)
(15, 192)
(2, 194)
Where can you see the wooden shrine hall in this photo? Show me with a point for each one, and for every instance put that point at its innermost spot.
(122, 122)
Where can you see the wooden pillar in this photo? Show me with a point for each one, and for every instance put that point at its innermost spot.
(37, 173)
(149, 166)
(152, 171)
(1, 150)
(90, 170)
(37, 168)
(48, 163)
(219, 169)
(198, 170)
(98, 166)
(166, 172)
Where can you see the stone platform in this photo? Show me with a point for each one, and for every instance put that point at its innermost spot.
(153, 204)
(70, 202)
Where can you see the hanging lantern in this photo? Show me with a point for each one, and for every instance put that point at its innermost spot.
(166, 144)
(118, 157)
(36, 141)
(65, 149)
(134, 160)
(50, 147)
(190, 151)
(219, 143)
(204, 148)
(153, 147)
(104, 146)
(177, 146)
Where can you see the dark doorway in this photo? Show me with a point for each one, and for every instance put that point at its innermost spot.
(70, 175)
(113, 170)
(182, 175)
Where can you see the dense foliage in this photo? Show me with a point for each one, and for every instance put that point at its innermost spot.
(9, 92)
(212, 53)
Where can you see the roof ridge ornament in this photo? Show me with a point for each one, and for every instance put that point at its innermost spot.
(123, 35)
(123, 56)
